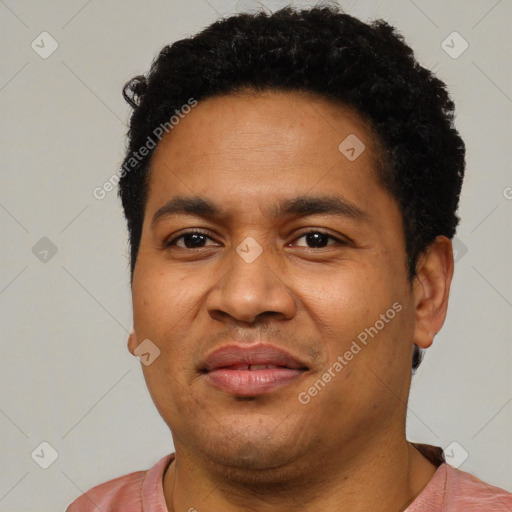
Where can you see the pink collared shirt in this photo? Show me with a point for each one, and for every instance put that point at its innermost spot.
(449, 490)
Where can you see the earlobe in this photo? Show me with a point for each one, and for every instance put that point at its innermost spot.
(132, 342)
(431, 290)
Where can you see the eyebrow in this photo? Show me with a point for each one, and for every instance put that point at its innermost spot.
(298, 206)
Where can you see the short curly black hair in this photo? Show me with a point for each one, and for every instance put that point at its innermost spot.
(324, 51)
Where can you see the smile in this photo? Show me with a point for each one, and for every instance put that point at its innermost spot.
(251, 371)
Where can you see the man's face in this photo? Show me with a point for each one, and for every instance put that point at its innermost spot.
(307, 282)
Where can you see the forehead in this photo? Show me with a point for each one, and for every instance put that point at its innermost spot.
(236, 121)
(266, 146)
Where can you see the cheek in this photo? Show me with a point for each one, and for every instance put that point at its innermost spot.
(346, 302)
(162, 301)
(366, 319)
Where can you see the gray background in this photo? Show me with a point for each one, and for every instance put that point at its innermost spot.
(67, 377)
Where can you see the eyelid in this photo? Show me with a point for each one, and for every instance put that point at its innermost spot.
(339, 239)
(171, 241)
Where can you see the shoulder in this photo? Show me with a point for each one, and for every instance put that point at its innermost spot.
(124, 490)
(465, 489)
(457, 491)
(125, 493)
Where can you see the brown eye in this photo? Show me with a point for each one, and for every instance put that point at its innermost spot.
(317, 239)
(190, 239)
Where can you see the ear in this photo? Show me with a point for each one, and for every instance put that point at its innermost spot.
(431, 289)
(132, 342)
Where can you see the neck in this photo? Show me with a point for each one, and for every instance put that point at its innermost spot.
(385, 477)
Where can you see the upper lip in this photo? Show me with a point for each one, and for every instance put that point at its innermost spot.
(260, 354)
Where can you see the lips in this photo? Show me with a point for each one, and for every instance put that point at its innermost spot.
(251, 371)
(254, 367)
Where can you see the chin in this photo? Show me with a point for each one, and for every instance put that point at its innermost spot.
(255, 448)
(256, 464)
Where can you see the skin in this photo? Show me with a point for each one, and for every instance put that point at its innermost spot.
(247, 152)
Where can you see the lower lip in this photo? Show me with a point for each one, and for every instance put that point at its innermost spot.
(251, 382)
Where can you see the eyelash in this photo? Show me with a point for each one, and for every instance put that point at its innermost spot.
(171, 242)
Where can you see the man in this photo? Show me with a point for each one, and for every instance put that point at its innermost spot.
(290, 187)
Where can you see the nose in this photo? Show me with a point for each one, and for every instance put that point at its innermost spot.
(250, 289)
